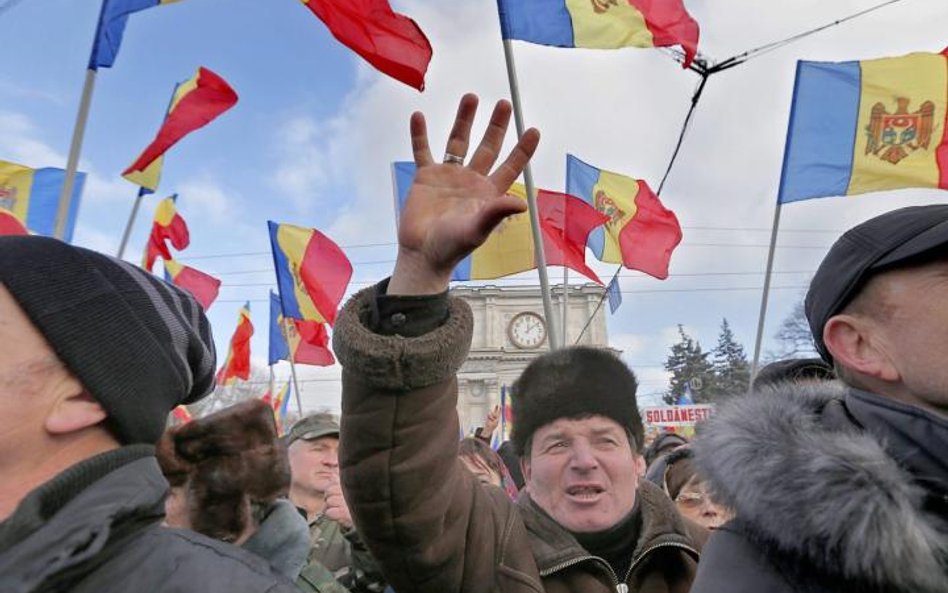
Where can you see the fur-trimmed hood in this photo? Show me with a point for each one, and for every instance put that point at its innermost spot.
(810, 485)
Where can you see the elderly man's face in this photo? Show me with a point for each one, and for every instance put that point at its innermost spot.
(910, 318)
(314, 464)
(583, 472)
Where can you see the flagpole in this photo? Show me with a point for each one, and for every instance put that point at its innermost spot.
(296, 384)
(532, 203)
(131, 222)
(565, 337)
(72, 163)
(271, 384)
(765, 297)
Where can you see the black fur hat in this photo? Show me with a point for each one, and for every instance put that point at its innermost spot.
(574, 383)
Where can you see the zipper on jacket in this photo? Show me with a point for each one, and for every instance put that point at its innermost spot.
(624, 587)
(620, 587)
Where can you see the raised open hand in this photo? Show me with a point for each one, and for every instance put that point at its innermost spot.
(452, 208)
(491, 422)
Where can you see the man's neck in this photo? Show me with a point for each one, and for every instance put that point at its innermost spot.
(28, 468)
(311, 502)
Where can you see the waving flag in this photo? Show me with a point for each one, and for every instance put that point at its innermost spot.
(197, 102)
(281, 404)
(391, 42)
(641, 233)
(309, 340)
(148, 178)
(168, 226)
(565, 222)
(875, 125)
(108, 34)
(203, 286)
(32, 197)
(615, 295)
(600, 24)
(312, 272)
(237, 364)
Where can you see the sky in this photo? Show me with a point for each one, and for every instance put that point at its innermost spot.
(313, 135)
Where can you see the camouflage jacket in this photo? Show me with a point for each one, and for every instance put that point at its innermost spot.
(343, 554)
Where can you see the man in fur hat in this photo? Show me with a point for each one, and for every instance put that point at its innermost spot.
(843, 486)
(586, 522)
(94, 354)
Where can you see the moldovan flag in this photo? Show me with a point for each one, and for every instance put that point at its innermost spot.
(600, 24)
(196, 103)
(312, 272)
(391, 42)
(108, 33)
(309, 340)
(237, 364)
(203, 287)
(641, 233)
(168, 226)
(565, 222)
(32, 196)
(875, 125)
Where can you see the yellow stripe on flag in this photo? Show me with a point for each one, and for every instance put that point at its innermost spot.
(614, 196)
(884, 156)
(509, 248)
(602, 24)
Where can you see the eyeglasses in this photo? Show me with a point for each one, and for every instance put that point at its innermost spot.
(693, 500)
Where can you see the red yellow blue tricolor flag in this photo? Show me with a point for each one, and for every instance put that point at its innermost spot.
(312, 272)
(108, 35)
(203, 286)
(308, 340)
(874, 125)
(237, 363)
(391, 42)
(641, 233)
(280, 404)
(168, 226)
(32, 197)
(600, 24)
(196, 103)
(565, 223)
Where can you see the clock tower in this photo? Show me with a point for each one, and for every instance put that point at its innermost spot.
(510, 330)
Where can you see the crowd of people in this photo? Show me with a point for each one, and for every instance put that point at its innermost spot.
(829, 475)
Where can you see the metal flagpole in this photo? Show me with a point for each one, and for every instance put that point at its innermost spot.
(764, 298)
(565, 303)
(296, 384)
(131, 222)
(65, 198)
(532, 203)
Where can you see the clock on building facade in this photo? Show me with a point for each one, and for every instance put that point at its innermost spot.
(527, 330)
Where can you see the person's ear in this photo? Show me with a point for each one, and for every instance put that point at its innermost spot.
(639, 463)
(73, 412)
(525, 469)
(857, 343)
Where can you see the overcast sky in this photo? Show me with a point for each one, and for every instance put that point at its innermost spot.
(311, 140)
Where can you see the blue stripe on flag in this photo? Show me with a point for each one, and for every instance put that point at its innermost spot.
(580, 180)
(821, 136)
(546, 22)
(615, 295)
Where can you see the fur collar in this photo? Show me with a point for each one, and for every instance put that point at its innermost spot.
(811, 486)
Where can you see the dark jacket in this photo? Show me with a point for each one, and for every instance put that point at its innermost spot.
(96, 528)
(834, 489)
(433, 527)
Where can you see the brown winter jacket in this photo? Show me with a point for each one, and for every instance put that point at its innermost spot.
(430, 524)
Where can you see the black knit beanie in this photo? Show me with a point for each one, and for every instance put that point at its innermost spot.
(139, 345)
(574, 383)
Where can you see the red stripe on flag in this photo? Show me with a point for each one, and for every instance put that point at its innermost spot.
(203, 286)
(566, 222)
(237, 364)
(647, 241)
(313, 346)
(391, 42)
(670, 24)
(325, 271)
(10, 224)
(212, 97)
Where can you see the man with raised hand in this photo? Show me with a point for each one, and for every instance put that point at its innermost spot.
(94, 354)
(586, 522)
